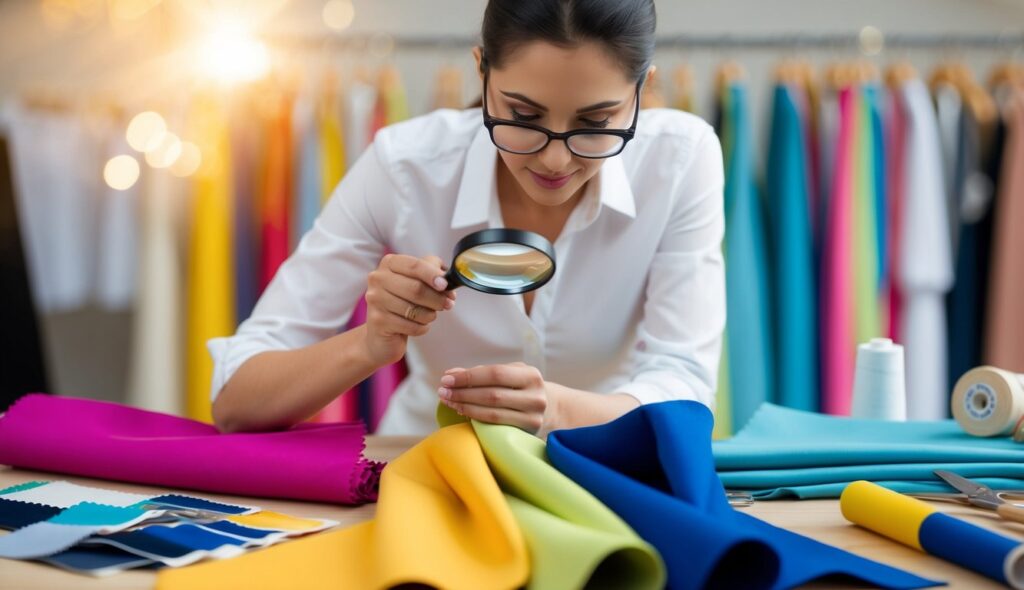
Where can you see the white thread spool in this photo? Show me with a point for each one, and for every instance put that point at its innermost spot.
(879, 384)
(988, 401)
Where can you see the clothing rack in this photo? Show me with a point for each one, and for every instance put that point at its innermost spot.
(384, 42)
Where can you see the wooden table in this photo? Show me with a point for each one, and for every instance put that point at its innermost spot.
(818, 519)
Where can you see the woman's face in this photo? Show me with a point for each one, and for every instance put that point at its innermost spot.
(559, 89)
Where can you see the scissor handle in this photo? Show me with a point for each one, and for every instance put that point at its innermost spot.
(1011, 512)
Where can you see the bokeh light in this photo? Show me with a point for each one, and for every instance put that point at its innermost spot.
(230, 54)
(338, 14)
(121, 172)
(145, 131)
(189, 160)
(166, 152)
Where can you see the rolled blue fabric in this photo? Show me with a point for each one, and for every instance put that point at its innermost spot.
(654, 468)
(969, 546)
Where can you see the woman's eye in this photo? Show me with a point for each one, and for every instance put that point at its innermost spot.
(596, 124)
(517, 116)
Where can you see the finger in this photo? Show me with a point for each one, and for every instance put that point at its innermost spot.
(512, 376)
(394, 325)
(429, 272)
(496, 397)
(415, 291)
(404, 309)
(528, 422)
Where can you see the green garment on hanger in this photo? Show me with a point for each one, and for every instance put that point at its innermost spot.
(865, 234)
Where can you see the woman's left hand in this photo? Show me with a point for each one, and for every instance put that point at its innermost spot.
(514, 394)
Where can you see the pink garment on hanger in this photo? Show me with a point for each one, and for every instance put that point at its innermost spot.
(277, 197)
(837, 331)
(895, 139)
(1004, 338)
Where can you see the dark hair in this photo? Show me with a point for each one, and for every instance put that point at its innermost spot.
(625, 27)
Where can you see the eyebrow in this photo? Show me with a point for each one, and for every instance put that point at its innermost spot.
(594, 107)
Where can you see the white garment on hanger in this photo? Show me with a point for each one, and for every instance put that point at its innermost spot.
(947, 113)
(155, 377)
(361, 98)
(926, 265)
(118, 225)
(55, 167)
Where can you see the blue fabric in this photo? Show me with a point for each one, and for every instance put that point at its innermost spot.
(193, 536)
(874, 96)
(91, 560)
(309, 181)
(93, 514)
(15, 514)
(967, 545)
(793, 295)
(654, 468)
(244, 145)
(228, 527)
(180, 501)
(747, 297)
(785, 453)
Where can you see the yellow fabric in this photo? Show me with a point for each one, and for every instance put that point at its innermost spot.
(267, 519)
(723, 397)
(211, 286)
(885, 512)
(332, 149)
(449, 526)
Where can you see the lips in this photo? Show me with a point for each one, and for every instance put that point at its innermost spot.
(550, 182)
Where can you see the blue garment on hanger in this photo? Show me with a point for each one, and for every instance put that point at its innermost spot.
(785, 453)
(244, 143)
(662, 482)
(875, 97)
(794, 300)
(747, 296)
(310, 185)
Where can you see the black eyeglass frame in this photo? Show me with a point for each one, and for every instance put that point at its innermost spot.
(626, 134)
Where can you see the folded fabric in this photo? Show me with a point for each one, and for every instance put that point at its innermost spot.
(321, 462)
(442, 521)
(654, 468)
(784, 452)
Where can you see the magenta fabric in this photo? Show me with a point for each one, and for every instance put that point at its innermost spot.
(837, 318)
(317, 462)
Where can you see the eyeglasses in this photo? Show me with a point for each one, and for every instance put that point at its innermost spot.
(517, 137)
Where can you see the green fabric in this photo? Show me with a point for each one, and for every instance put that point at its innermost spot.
(723, 397)
(28, 485)
(868, 323)
(574, 540)
(785, 453)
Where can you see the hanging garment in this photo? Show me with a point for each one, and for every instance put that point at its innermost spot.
(895, 149)
(865, 233)
(57, 212)
(876, 99)
(723, 395)
(248, 143)
(926, 272)
(1004, 344)
(155, 371)
(948, 108)
(837, 280)
(747, 296)
(965, 305)
(22, 365)
(210, 299)
(117, 228)
(361, 98)
(664, 486)
(275, 209)
(794, 302)
(308, 179)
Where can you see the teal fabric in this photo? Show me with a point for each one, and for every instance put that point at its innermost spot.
(790, 453)
(793, 287)
(747, 297)
(92, 514)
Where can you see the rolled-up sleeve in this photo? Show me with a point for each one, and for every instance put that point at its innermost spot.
(316, 290)
(679, 339)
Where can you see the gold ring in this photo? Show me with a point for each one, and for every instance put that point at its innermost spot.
(410, 314)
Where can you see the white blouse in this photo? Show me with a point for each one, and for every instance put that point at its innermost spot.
(636, 306)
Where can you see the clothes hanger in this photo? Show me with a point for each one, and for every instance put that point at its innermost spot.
(899, 73)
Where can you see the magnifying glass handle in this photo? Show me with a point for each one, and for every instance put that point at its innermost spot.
(452, 278)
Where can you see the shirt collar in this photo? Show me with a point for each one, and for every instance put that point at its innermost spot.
(477, 188)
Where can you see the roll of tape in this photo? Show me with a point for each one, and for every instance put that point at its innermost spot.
(988, 401)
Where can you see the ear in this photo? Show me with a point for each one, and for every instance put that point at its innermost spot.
(649, 75)
(478, 56)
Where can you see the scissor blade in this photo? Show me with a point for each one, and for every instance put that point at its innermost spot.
(976, 493)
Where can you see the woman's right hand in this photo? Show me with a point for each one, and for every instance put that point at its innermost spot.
(403, 296)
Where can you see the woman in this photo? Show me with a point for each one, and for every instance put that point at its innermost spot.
(635, 312)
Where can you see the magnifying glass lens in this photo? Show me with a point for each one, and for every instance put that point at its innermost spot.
(502, 261)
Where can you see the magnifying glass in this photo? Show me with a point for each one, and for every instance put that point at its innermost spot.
(502, 261)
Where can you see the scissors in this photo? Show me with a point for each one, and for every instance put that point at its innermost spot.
(982, 496)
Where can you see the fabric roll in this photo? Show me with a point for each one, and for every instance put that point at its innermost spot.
(105, 440)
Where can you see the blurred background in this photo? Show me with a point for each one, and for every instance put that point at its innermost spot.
(162, 157)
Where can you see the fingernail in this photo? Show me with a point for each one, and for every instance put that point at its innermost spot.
(448, 380)
(448, 304)
(440, 283)
(444, 392)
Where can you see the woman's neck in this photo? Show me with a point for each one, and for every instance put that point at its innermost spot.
(519, 211)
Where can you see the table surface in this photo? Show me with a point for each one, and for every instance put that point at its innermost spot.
(818, 519)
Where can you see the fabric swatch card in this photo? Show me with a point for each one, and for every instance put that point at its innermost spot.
(97, 561)
(68, 528)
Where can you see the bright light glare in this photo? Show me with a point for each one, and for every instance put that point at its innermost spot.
(229, 54)
(166, 152)
(121, 172)
(338, 14)
(145, 131)
(189, 160)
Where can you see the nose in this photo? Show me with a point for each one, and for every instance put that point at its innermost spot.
(555, 156)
